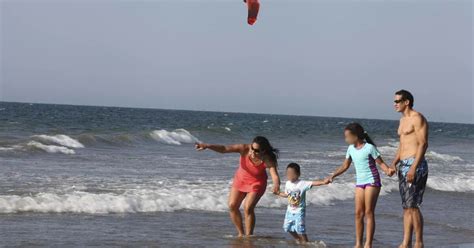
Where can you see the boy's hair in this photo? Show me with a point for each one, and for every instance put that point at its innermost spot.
(295, 167)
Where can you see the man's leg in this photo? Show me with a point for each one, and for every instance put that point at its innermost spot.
(407, 228)
(418, 226)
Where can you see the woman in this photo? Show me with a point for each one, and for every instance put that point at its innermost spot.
(364, 154)
(250, 180)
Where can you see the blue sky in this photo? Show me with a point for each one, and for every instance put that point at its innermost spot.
(324, 58)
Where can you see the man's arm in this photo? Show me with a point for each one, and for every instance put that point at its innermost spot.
(421, 133)
(396, 160)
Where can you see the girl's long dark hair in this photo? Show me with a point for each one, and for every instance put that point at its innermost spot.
(266, 148)
(357, 130)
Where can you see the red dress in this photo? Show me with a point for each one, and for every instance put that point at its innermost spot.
(250, 177)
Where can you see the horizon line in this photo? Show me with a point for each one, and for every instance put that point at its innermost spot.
(216, 111)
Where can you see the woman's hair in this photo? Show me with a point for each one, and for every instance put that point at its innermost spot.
(266, 148)
(357, 130)
(295, 167)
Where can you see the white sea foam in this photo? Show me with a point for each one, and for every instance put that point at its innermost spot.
(164, 199)
(60, 139)
(187, 195)
(50, 148)
(430, 155)
(169, 196)
(452, 182)
(10, 148)
(387, 150)
(176, 137)
(442, 157)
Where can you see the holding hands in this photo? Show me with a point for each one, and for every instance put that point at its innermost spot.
(327, 180)
(391, 171)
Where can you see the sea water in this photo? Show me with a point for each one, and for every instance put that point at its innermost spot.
(106, 176)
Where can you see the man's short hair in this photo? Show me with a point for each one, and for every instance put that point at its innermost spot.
(406, 95)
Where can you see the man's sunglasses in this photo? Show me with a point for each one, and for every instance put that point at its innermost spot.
(398, 101)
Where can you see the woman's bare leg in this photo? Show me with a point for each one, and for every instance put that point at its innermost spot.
(235, 200)
(251, 201)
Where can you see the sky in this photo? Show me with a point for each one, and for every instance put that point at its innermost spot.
(323, 58)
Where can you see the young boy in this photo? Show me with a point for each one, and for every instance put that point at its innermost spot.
(295, 191)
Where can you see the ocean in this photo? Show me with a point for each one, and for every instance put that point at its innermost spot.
(80, 176)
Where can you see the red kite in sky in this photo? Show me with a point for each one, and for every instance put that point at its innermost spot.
(253, 7)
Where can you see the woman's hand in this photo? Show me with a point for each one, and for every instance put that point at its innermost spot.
(200, 146)
(276, 189)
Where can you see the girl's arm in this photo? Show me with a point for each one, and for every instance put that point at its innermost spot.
(386, 169)
(275, 177)
(237, 148)
(320, 182)
(345, 165)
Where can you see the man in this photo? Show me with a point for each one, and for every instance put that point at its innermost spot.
(413, 171)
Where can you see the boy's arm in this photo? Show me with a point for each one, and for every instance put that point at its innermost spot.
(320, 182)
(281, 194)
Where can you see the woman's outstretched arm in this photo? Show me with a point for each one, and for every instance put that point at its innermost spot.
(237, 148)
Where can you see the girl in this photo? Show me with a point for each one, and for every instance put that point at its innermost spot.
(364, 154)
(250, 180)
